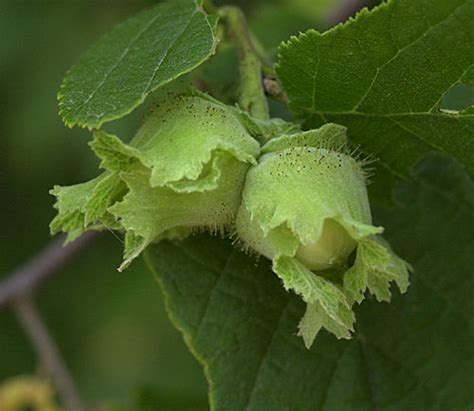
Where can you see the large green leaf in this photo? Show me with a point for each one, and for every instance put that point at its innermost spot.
(383, 75)
(147, 51)
(413, 354)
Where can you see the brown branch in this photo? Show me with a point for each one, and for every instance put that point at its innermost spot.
(26, 278)
(48, 352)
(346, 9)
(17, 290)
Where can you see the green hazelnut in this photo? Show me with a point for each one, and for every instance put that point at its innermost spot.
(183, 170)
(305, 207)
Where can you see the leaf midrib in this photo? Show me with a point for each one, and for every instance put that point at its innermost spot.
(117, 63)
(165, 54)
(458, 115)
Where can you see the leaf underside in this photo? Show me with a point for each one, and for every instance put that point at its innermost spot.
(383, 75)
(145, 52)
(412, 354)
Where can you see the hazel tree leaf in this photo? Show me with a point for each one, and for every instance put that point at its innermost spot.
(145, 52)
(412, 354)
(383, 75)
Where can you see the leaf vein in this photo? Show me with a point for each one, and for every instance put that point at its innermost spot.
(265, 355)
(331, 378)
(379, 69)
(114, 66)
(367, 369)
(221, 275)
(165, 54)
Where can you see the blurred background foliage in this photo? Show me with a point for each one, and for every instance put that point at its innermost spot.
(112, 328)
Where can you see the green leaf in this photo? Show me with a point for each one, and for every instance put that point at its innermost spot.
(383, 75)
(412, 354)
(145, 52)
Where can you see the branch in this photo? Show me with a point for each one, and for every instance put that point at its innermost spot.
(252, 95)
(346, 9)
(26, 278)
(17, 290)
(48, 352)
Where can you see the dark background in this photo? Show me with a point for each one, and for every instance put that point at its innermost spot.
(112, 328)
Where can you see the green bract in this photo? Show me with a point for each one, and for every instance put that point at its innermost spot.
(183, 170)
(298, 198)
(305, 207)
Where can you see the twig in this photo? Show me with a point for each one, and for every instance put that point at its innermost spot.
(252, 96)
(346, 9)
(48, 352)
(26, 278)
(17, 290)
